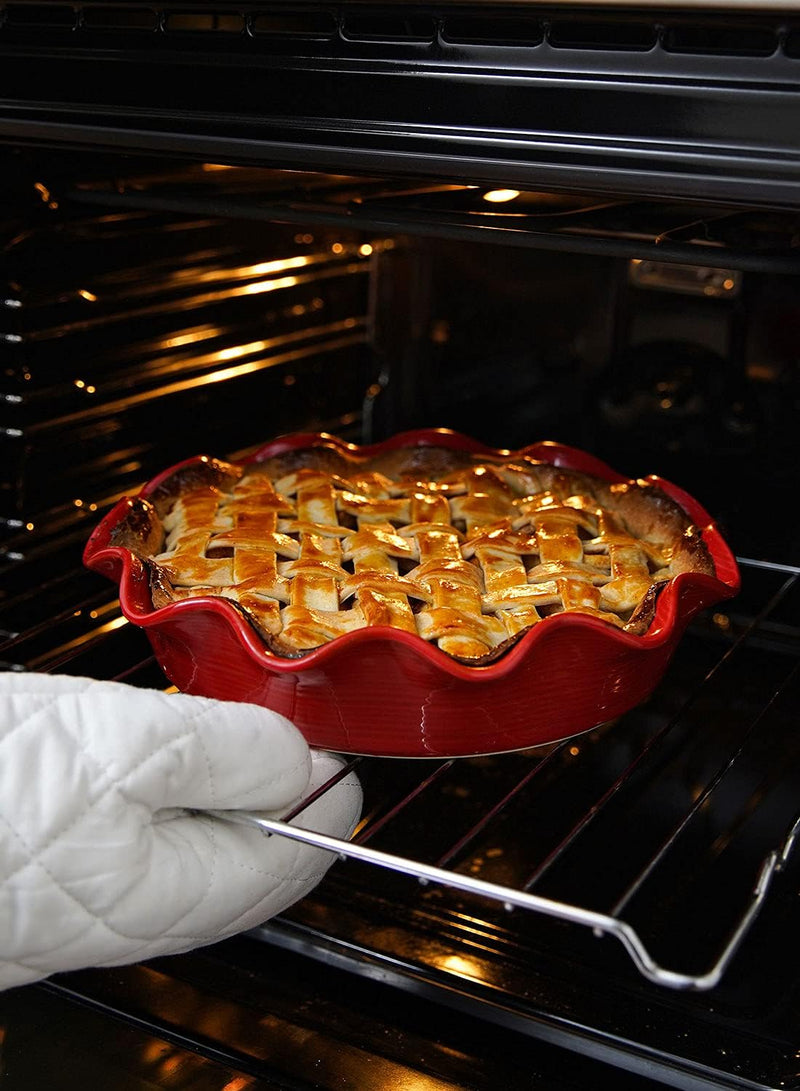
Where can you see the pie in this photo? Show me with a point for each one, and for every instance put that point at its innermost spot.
(465, 551)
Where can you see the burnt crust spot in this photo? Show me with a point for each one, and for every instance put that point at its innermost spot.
(203, 472)
(140, 531)
(691, 554)
(642, 617)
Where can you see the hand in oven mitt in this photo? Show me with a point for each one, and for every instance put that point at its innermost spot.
(102, 861)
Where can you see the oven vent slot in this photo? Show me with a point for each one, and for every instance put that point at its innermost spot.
(728, 40)
(484, 30)
(120, 19)
(389, 27)
(203, 22)
(294, 24)
(50, 16)
(577, 34)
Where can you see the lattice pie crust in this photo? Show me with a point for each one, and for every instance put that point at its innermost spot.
(466, 551)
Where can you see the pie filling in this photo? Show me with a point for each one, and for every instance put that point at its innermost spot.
(467, 552)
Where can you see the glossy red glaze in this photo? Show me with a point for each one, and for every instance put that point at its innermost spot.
(387, 692)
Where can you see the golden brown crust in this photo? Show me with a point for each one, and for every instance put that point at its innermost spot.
(466, 551)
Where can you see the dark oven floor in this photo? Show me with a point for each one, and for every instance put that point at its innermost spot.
(246, 1017)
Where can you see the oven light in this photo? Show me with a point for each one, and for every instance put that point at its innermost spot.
(500, 196)
(87, 295)
(365, 250)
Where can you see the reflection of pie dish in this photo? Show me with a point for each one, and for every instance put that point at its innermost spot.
(304, 541)
(465, 550)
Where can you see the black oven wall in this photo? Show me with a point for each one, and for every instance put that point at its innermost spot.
(689, 372)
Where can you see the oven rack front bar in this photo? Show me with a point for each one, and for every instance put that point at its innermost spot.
(600, 923)
(522, 896)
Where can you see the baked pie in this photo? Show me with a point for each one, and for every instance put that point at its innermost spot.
(467, 551)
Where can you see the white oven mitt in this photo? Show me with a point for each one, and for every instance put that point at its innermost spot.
(101, 863)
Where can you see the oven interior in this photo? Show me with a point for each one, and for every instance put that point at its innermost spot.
(155, 308)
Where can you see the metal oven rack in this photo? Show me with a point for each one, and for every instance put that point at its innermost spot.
(51, 645)
(668, 830)
(513, 898)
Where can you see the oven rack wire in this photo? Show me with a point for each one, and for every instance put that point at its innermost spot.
(600, 923)
(95, 650)
(522, 897)
(665, 232)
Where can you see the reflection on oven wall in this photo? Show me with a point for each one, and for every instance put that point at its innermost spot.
(702, 383)
(495, 345)
(133, 339)
(676, 391)
(685, 371)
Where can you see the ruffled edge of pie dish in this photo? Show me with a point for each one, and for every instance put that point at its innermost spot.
(676, 602)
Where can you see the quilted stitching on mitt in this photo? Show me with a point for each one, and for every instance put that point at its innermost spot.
(102, 860)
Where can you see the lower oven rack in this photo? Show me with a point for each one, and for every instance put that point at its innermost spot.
(600, 923)
(521, 896)
(90, 628)
(486, 883)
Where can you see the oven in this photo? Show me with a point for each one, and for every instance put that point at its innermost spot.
(224, 222)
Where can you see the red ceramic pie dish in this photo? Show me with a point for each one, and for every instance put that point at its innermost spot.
(387, 692)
